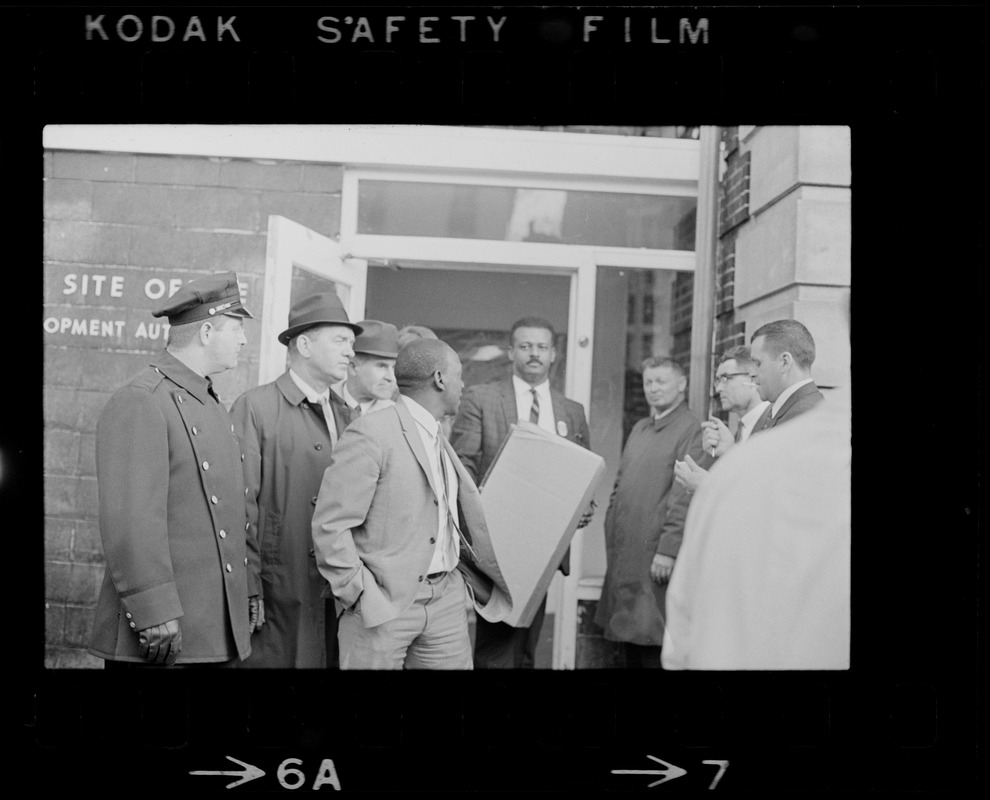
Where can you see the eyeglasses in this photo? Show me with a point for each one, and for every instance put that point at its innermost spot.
(720, 379)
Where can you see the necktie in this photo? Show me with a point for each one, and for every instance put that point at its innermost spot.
(739, 432)
(534, 410)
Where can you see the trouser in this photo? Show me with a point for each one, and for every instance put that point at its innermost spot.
(431, 634)
(643, 656)
(500, 646)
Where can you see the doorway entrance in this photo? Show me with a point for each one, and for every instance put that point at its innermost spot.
(472, 308)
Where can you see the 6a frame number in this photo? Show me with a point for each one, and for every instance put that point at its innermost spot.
(291, 777)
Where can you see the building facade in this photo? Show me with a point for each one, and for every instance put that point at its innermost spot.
(460, 229)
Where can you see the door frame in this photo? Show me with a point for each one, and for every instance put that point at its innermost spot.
(579, 262)
(289, 245)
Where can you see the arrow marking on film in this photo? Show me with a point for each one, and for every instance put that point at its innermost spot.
(249, 773)
(669, 773)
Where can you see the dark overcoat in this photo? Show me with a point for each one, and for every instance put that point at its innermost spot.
(287, 448)
(646, 517)
(804, 399)
(172, 518)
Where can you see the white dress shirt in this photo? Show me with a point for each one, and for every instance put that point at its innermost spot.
(748, 420)
(322, 400)
(524, 401)
(785, 394)
(447, 549)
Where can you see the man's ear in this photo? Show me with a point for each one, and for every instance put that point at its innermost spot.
(205, 332)
(302, 345)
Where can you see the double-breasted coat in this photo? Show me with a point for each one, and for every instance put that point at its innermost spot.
(172, 518)
(646, 517)
(287, 448)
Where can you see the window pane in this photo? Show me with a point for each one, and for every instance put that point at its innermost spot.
(406, 208)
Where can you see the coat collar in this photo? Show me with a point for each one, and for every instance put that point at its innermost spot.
(177, 372)
(660, 424)
(294, 395)
(507, 391)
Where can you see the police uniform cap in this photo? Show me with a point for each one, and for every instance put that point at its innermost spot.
(204, 298)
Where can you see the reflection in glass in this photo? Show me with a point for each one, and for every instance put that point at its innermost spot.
(505, 213)
(305, 283)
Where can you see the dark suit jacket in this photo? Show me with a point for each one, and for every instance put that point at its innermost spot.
(483, 420)
(804, 399)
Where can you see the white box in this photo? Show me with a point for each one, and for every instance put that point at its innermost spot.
(534, 494)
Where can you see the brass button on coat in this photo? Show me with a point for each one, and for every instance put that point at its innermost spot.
(229, 568)
(213, 499)
(195, 430)
(223, 534)
(206, 465)
(318, 446)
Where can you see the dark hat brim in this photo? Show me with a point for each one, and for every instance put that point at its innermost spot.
(379, 353)
(289, 333)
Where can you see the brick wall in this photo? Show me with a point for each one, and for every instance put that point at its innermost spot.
(733, 204)
(118, 229)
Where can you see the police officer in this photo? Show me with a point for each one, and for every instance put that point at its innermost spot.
(172, 500)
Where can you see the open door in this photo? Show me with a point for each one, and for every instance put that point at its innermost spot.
(299, 261)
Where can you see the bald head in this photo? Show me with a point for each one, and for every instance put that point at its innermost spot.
(429, 371)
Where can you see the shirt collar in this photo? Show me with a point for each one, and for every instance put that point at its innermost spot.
(749, 419)
(521, 387)
(658, 418)
(423, 417)
(785, 394)
(311, 394)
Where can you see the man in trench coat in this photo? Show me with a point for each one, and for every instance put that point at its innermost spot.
(287, 429)
(172, 517)
(644, 524)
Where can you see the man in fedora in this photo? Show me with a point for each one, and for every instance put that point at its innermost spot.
(172, 513)
(370, 383)
(288, 429)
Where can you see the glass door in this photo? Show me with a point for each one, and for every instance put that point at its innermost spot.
(300, 261)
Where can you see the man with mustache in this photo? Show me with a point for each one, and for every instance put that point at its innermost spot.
(482, 425)
(288, 429)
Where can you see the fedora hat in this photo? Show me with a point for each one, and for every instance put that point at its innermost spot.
(378, 339)
(316, 309)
